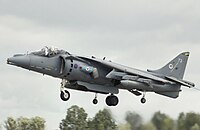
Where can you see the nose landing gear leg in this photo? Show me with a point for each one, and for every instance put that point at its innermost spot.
(64, 94)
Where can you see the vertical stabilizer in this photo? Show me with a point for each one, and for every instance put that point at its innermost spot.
(176, 67)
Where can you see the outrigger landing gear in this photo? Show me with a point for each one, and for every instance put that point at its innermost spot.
(143, 100)
(95, 101)
(112, 100)
(64, 94)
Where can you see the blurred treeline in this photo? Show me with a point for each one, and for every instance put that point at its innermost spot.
(77, 119)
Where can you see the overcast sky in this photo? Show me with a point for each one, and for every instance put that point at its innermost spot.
(137, 33)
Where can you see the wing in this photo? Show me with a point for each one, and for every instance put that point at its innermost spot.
(182, 82)
(119, 70)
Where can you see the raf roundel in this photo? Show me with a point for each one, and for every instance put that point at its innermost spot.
(75, 66)
(171, 66)
(87, 68)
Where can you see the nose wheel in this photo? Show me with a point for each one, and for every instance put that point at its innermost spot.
(64, 94)
(112, 100)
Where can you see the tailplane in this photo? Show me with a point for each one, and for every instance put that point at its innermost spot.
(174, 68)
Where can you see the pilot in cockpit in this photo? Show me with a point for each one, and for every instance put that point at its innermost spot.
(49, 52)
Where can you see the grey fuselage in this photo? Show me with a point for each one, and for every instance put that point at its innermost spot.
(84, 73)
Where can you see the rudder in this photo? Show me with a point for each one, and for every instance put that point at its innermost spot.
(175, 67)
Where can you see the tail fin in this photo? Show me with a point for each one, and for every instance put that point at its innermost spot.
(176, 67)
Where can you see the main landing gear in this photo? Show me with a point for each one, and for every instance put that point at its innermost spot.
(64, 94)
(112, 100)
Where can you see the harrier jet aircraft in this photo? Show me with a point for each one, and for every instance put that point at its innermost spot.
(102, 76)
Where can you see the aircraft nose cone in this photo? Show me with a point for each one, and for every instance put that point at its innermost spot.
(19, 60)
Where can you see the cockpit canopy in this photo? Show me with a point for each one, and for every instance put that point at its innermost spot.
(49, 52)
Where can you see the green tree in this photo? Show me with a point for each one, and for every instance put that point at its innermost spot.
(37, 123)
(90, 124)
(181, 121)
(191, 119)
(124, 126)
(103, 121)
(134, 119)
(148, 126)
(162, 121)
(10, 124)
(195, 127)
(75, 119)
(188, 120)
(22, 123)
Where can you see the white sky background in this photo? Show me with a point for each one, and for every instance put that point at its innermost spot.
(137, 33)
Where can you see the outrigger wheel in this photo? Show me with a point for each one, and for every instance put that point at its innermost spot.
(143, 100)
